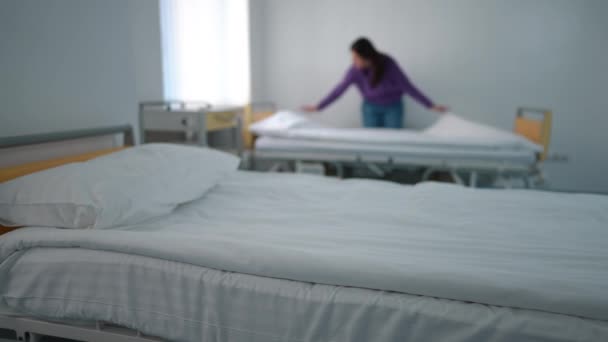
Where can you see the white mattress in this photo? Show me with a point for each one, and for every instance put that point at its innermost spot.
(450, 131)
(267, 146)
(509, 265)
(182, 302)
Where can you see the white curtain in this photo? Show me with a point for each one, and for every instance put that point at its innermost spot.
(206, 50)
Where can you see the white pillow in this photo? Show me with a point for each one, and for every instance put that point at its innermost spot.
(122, 188)
(282, 121)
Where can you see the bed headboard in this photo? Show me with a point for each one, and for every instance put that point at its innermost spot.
(21, 155)
(255, 112)
(535, 124)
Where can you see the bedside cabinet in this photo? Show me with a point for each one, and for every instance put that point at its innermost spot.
(189, 123)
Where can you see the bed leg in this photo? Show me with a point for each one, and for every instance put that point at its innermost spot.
(276, 167)
(427, 174)
(32, 337)
(473, 179)
(527, 182)
(375, 169)
(252, 164)
(456, 177)
(339, 170)
(508, 182)
(248, 155)
(536, 178)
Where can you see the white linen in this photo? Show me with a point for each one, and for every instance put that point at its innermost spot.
(451, 126)
(282, 121)
(449, 131)
(125, 187)
(522, 249)
(183, 302)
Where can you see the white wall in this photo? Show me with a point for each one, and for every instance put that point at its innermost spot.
(482, 58)
(145, 43)
(70, 64)
(257, 49)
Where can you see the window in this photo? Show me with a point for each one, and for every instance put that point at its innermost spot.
(205, 47)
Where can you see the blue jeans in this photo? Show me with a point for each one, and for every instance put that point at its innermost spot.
(386, 116)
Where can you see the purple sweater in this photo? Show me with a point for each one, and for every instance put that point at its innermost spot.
(393, 85)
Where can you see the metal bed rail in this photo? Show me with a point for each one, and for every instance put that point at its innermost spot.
(34, 139)
(33, 330)
(505, 172)
(170, 105)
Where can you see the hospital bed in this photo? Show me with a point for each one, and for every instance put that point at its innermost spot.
(282, 257)
(504, 163)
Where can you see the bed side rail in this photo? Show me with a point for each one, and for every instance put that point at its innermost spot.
(34, 139)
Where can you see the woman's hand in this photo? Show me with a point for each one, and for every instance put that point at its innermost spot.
(439, 109)
(310, 109)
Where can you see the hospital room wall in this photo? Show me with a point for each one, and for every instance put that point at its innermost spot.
(71, 64)
(482, 58)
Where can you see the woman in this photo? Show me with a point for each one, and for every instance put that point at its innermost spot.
(382, 84)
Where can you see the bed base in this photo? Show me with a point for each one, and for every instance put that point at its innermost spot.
(32, 330)
(505, 173)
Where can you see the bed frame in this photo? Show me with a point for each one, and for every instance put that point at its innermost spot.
(534, 124)
(43, 151)
(254, 112)
(531, 123)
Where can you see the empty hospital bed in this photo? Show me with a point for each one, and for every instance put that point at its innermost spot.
(452, 144)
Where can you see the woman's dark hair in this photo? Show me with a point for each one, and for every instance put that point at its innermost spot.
(366, 50)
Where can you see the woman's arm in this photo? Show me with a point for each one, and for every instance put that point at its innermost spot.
(338, 90)
(409, 88)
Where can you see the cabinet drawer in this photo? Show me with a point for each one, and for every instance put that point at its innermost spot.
(220, 120)
(170, 121)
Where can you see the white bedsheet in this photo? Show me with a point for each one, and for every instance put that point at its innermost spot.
(543, 252)
(183, 302)
(449, 131)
